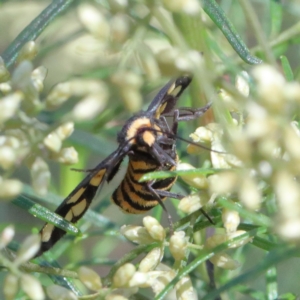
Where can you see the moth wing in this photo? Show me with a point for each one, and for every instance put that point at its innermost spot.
(78, 201)
(166, 99)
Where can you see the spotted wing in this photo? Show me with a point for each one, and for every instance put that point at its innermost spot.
(166, 99)
(79, 200)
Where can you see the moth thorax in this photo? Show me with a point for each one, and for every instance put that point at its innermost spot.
(146, 136)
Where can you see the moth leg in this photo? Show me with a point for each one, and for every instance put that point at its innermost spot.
(169, 194)
(158, 198)
(188, 113)
(179, 197)
(163, 139)
(166, 125)
(161, 155)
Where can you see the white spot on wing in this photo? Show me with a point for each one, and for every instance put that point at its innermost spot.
(47, 232)
(78, 209)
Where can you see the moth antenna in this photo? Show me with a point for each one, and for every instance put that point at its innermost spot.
(82, 170)
(207, 216)
(187, 141)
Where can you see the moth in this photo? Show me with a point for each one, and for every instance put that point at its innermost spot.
(149, 141)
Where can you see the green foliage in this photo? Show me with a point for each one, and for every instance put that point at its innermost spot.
(69, 81)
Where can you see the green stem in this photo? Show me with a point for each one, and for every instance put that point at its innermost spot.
(219, 18)
(126, 258)
(271, 259)
(254, 22)
(6, 263)
(30, 268)
(34, 29)
(285, 36)
(207, 254)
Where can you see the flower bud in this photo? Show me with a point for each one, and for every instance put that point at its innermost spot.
(58, 95)
(198, 180)
(89, 107)
(29, 248)
(166, 58)
(127, 79)
(235, 234)
(55, 292)
(249, 194)
(5, 87)
(202, 135)
(90, 278)
(28, 51)
(118, 5)
(132, 98)
(288, 222)
(4, 74)
(10, 188)
(65, 130)
(292, 92)
(149, 64)
(222, 183)
(289, 228)
(151, 260)
(231, 220)
(6, 236)
(120, 27)
(162, 281)
(94, 21)
(154, 228)
(185, 290)
(40, 176)
(178, 245)
(123, 275)
(270, 87)
(32, 287)
(193, 202)
(241, 83)
(38, 76)
(137, 234)
(21, 80)
(115, 297)
(9, 106)
(68, 156)
(187, 61)
(10, 287)
(139, 279)
(190, 7)
(7, 157)
(215, 240)
(53, 142)
(292, 141)
(224, 261)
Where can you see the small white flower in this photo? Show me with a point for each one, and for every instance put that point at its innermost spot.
(178, 245)
(137, 234)
(123, 275)
(154, 228)
(90, 278)
(193, 202)
(231, 220)
(6, 236)
(29, 248)
(55, 292)
(151, 260)
(32, 287)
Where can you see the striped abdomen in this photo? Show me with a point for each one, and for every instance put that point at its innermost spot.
(133, 196)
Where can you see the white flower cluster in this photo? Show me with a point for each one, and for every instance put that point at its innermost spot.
(25, 139)
(258, 152)
(150, 271)
(17, 279)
